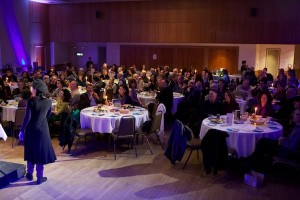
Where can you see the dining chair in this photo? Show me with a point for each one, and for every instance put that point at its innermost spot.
(288, 162)
(19, 118)
(191, 145)
(125, 131)
(83, 133)
(155, 128)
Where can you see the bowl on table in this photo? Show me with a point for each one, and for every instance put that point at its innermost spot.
(257, 121)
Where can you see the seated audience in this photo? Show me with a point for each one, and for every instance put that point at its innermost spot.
(123, 95)
(252, 101)
(62, 106)
(165, 96)
(264, 106)
(285, 147)
(25, 95)
(9, 76)
(89, 98)
(133, 91)
(230, 103)
(243, 90)
(75, 95)
(5, 92)
(17, 91)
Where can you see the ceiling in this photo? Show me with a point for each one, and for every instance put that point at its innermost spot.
(77, 1)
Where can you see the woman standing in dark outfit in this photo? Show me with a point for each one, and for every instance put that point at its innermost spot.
(37, 143)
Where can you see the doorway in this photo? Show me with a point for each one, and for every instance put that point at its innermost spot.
(101, 57)
(273, 61)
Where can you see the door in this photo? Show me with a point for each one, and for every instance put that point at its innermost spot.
(273, 61)
(101, 57)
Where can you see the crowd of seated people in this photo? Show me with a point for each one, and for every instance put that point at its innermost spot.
(202, 95)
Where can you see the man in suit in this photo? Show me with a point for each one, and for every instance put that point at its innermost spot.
(165, 96)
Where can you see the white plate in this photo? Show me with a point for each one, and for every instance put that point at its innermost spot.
(258, 130)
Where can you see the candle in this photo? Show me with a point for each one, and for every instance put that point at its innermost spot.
(272, 84)
(180, 70)
(255, 109)
(105, 98)
(195, 71)
(86, 79)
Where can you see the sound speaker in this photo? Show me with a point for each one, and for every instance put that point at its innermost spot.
(253, 12)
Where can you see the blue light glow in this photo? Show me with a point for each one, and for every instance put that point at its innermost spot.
(13, 31)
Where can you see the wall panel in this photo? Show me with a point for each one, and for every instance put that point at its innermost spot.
(181, 56)
(190, 21)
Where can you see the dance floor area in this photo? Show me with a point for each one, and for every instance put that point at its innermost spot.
(93, 173)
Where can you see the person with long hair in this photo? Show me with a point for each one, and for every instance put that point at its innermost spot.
(123, 95)
(264, 106)
(38, 149)
(230, 103)
(63, 100)
(133, 92)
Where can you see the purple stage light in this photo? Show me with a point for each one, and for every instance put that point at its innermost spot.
(13, 31)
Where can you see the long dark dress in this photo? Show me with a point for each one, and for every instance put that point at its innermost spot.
(37, 141)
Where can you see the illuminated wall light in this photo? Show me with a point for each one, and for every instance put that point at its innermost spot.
(13, 32)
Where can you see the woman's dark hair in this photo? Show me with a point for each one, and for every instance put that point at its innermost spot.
(254, 92)
(268, 94)
(199, 78)
(26, 94)
(62, 82)
(132, 81)
(125, 88)
(67, 95)
(231, 96)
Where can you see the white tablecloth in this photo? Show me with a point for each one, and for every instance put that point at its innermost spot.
(9, 111)
(244, 139)
(146, 99)
(105, 122)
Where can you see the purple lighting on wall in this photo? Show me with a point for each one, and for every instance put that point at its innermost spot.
(13, 31)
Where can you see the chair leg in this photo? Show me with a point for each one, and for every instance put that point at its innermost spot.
(202, 170)
(134, 143)
(159, 141)
(148, 143)
(187, 159)
(13, 138)
(115, 149)
(77, 143)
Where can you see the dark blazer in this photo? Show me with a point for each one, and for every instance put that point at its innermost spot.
(177, 142)
(165, 96)
(214, 150)
(84, 101)
(229, 108)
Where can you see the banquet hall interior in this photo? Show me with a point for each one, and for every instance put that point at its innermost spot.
(168, 73)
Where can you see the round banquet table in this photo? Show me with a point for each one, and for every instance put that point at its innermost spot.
(9, 110)
(145, 99)
(243, 137)
(105, 122)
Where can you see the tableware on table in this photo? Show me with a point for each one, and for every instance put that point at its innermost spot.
(232, 129)
(257, 129)
(229, 118)
(212, 124)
